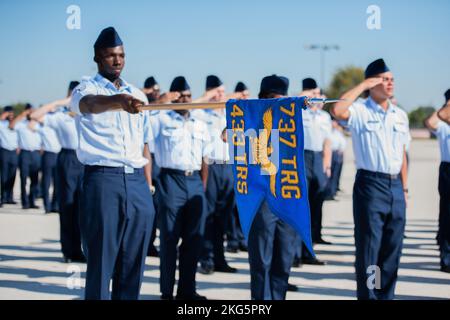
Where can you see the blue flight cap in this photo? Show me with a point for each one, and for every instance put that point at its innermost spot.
(28, 106)
(108, 38)
(275, 84)
(309, 84)
(150, 83)
(213, 82)
(376, 67)
(8, 109)
(73, 85)
(240, 87)
(179, 84)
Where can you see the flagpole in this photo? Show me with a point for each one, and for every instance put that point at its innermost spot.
(184, 106)
(219, 105)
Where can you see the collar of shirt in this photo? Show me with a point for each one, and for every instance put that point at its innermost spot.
(314, 112)
(376, 107)
(175, 115)
(108, 84)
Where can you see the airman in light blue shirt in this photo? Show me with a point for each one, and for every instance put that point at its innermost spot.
(29, 139)
(437, 124)
(317, 128)
(216, 122)
(379, 137)
(338, 142)
(8, 137)
(50, 141)
(380, 134)
(180, 143)
(112, 138)
(64, 126)
(117, 207)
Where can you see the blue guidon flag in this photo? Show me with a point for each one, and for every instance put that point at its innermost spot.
(266, 148)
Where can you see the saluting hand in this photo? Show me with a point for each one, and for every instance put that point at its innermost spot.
(130, 104)
(169, 97)
(4, 116)
(369, 83)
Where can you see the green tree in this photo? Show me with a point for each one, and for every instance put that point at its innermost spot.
(418, 116)
(343, 80)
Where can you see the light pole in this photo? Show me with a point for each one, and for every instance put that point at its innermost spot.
(323, 48)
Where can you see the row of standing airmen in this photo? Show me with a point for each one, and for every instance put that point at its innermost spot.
(194, 201)
(52, 128)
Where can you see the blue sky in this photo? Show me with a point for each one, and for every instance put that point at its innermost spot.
(238, 40)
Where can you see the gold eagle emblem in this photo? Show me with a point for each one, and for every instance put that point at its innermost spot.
(261, 150)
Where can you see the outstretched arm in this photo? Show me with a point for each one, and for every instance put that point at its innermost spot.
(98, 103)
(341, 109)
(40, 113)
(444, 113)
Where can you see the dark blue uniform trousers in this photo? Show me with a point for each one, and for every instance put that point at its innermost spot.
(8, 161)
(70, 175)
(271, 253)
(379, 217)
(49, 176)
(235, 236)
(220, 203)
(29, 164)
(182, 214)
(337, 161)
(444, 213)
(316, 182)
(116, 223)
(155, 176)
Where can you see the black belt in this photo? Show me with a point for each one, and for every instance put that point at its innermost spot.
(117, 170)
(64, 150)
(187, 173)
(29, 151)
(378, 174)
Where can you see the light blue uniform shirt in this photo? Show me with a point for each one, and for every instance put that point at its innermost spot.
(317, 127)
(65, 128)
(153, 118)
(50, 142)
(443, 135)
(113, 138)
(216, 122)
(29, 140)
(8, 137)
(180, 143)
(379, 137)
(338, 142)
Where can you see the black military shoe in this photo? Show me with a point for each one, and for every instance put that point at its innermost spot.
(193, 297)
(232, 249)
(292, 287)
(445, 269)
(225, 268)
(321, 241)
(167, 297)
(313, 261)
